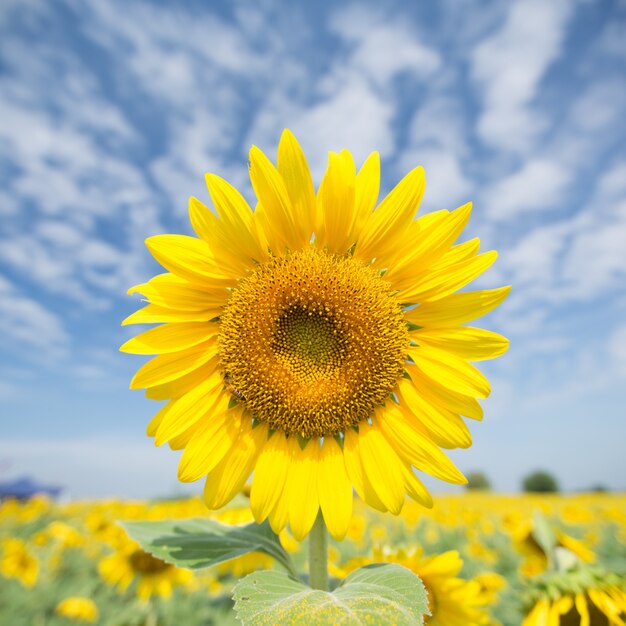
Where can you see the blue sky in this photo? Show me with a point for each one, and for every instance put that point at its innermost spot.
(111, 112)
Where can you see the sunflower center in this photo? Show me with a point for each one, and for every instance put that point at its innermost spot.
(306, 338)
(312, 342)
(145, 563)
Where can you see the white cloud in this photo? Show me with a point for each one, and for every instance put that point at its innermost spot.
(71, 175)
(383, 47)
(508, 67)
(354, 117)
(447, 186)
(577, 258)
(167, 65)
(540, 184)
(438, 142)
(353, 104)
(27, 325)
(617, 348)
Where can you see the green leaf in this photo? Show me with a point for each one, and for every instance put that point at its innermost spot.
(544, 535)
(565, 560)
(198, 543)
(375, 594)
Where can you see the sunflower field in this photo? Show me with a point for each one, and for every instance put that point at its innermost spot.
(481, 557)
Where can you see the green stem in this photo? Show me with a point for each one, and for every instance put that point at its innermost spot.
(318, 554)
(151, 615)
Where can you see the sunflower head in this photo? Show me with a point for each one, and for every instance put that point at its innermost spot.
(318, 341)
(313, 342)
(78, 608)
(452, 601)
(128, 564)
(582, 595)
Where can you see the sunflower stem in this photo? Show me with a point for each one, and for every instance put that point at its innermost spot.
(318, 554)
(151, 614)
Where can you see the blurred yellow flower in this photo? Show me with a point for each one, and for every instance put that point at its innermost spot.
(452, 601)
(153, 576)
(64, 535)
(535, 559)
(245, 564)
(594, 607)
(490, 584)
(82, 609)
(18, 562)
(291, 346)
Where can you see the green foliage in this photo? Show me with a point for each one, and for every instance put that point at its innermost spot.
(540, 481)
(477, 480)
(544, 535)
(199, 543)
(73, 571)
(375, 594)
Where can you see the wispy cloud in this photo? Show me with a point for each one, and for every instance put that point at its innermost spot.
(112, 112)
(508, 67)
(27, 325)
(539, 185)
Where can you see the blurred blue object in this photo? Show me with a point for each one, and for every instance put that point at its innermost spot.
(25, 488)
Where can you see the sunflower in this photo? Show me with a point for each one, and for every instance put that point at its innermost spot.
(153, 576)
(316, 341)
(536, 560)
(452, 601)
(597, 606)
(78, 608)
(576, 594)
(18, 562)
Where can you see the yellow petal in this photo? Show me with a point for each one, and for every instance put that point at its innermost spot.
(234, 236)
(447, 429)
(384, 227)
(563, 605)
(279, 515)
(156, 420)
(190, 258)
(382, 469)
(539, 615)
(438, 395)
(172, 292)
(180, 386)
(461, 252)
(413, 444)
(415, 488)
(450, 371)
(431, 245)
(294, 169)
(180, 441)
(167, 367)
(366, 191)
(465, 342)
(227, 479)
(301, 487)
(185, 411)
(334, 489)
(153, 314)
(270, 474)
(172, 338)
(582, 608)
(354, 469)
(276, 218)
(209, 443)
(437, 284)
(336, 204)
(457, 308)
